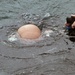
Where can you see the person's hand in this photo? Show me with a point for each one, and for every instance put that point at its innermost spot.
(73, 25)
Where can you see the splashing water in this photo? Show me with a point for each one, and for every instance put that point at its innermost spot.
(26, 51)
(14, 38)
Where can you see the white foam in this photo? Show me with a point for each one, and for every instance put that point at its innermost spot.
(48, 33)
(12, 37)
(29, 41)
(15, 37)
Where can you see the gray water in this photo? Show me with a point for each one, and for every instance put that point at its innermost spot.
(53, 54)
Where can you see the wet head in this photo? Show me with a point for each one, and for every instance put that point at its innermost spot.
(29, 31)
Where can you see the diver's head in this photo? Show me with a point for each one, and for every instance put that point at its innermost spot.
(29, 31)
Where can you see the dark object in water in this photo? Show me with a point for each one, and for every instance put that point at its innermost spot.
(71, 32)
(70, 20)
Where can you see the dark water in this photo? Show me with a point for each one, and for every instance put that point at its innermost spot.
(52, 54)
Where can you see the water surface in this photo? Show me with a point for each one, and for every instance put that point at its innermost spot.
(52, 54)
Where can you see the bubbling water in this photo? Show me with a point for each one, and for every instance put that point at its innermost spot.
(27, 18)
(30, 50)
(15, 37)
(48, 31)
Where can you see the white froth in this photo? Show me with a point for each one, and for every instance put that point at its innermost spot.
(15, 37)
(48, 33)
(12, 38)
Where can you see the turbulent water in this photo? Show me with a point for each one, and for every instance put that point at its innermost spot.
(53, 53)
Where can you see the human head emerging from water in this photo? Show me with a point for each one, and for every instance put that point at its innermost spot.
(29, 31)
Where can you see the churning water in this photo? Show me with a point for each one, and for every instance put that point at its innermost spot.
(52, 53)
